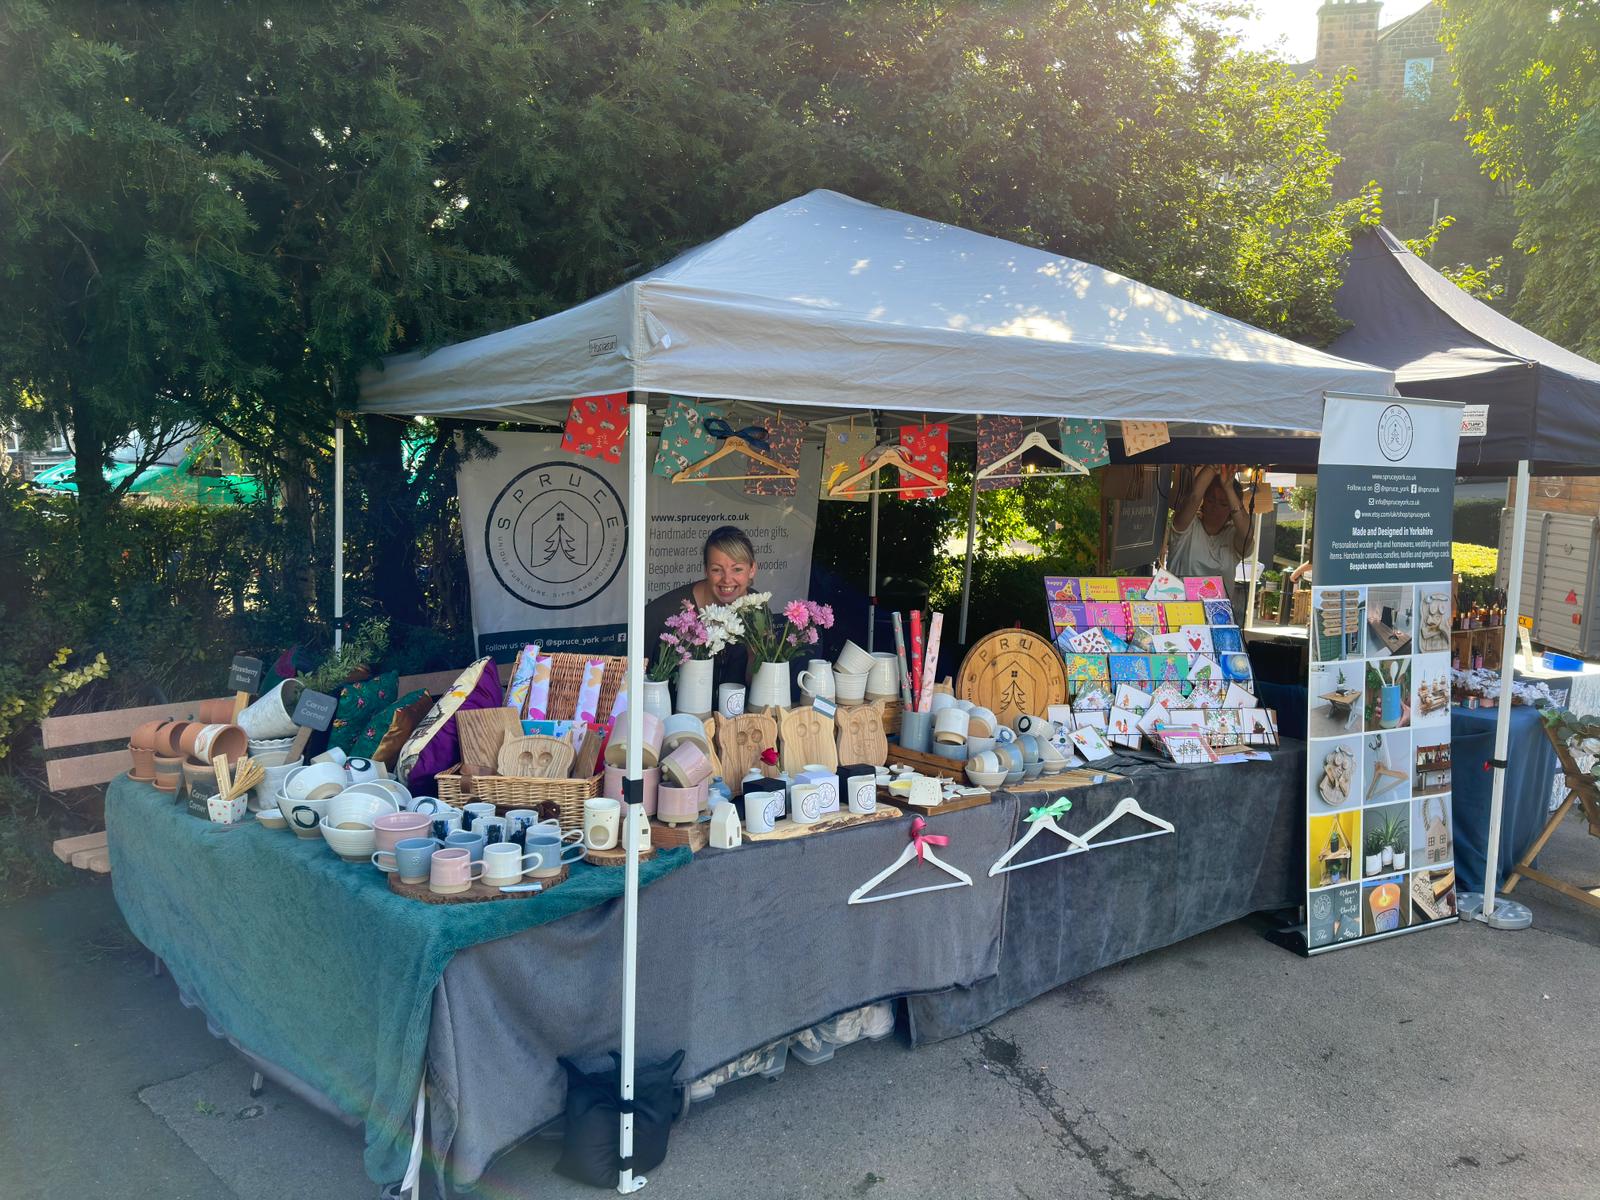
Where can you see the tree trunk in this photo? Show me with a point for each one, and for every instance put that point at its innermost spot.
(379, 465)
(299, 559)
(97, 541)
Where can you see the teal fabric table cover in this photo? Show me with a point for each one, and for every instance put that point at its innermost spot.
(308, 961)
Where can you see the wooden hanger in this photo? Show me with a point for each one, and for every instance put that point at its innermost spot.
(1041, 820)
(919, 848)
(1126, 807)
(1034, 440)
(735, 445)
(881, 458)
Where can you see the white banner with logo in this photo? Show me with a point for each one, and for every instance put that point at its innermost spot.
(546, 535)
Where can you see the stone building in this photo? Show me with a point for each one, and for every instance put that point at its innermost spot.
(1404, 56)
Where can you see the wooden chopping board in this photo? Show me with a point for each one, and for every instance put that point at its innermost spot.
(1012, 672)
(805, 736)
(536, 757)
(483, 731)
(740, 741)
(861, 734)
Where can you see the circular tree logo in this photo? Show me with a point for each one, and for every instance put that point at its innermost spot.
(556, 535)
(1395, 433)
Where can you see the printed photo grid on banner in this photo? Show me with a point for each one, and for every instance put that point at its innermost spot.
(1380, 851)
(546, 534)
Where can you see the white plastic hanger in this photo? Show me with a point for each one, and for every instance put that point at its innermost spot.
(1126, 807)
(1044, 823)
(962, 879)
(1034, 440)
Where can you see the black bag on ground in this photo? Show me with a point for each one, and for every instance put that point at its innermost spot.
(594, 1108)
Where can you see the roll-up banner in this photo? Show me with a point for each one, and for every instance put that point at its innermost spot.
(546, 534)
(1379, 851)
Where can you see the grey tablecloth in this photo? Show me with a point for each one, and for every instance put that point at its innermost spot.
(1237, 849)
(742, 947)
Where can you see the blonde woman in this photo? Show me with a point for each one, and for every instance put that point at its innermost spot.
(729, 562)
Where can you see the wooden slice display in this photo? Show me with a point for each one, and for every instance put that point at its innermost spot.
(475, 894)
(617, 856)
(1013, 672)
(805, 736)
(861, 735)
(740, 741)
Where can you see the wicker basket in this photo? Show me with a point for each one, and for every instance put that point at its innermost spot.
(516, 791)
(566, 678)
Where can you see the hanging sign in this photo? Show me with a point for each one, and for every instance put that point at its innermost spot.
(546, 536)
(1379, 850)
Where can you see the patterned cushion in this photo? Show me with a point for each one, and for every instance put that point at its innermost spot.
(433, 745)
(371, 731)
(407, 716)
(359, 705)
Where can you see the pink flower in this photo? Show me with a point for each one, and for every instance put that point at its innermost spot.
(797, 612)
(811, 637)
(822, 614)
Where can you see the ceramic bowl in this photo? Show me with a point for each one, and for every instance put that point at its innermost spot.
(977, 745)
(956, 753)
(271, 818)
(397, 795)
(986, 761)
(352, 840)
(302, 825)
(981, 722)
(270, 789)
(1033, 770)
(300, 783)
(392, 828)
(986, 779)
(358, 806)
(1015, 767)
(398, 792)
(1029, 745)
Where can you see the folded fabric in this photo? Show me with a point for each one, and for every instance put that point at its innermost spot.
(927, 447)
(684, 440)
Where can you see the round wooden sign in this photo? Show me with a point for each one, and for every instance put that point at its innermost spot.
(1013, 672)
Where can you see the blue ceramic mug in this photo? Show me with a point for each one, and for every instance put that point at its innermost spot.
(473, 842)
(410, 860)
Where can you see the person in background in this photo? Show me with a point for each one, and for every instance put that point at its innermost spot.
(729, 561)
(1211, 533)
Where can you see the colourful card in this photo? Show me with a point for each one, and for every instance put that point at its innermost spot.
(1147, 614)
(1226, 639)
(1130, 697)
(1187, 746)
(1061, 587)
(1168, 696)
(1196, 638)
(1141, 640)
(1260, 726)
(1235, 666)
(1210, 694)
(1099, 589)
(1097, 719)
(1109, 614)
(1185, 612)
(1219, 612)
(1129, 668)
(1090, 743)
(1154, 717)
(1204, 669)
(1089, 641)
(1122, 729)
(1238, 697)
(1083, 669)
(1131, 587)
(1165, 586)
(1224, 726)
(1184, 718)
(1095, 696)
(1205, 587)
(1169, 668)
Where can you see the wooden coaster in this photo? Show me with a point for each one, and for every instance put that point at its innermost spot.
(784, 830)
(696, 835)
(477, 893)
(618, 856)
(956, 804)
(1066, 781)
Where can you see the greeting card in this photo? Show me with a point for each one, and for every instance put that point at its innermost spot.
(1187, 746)
(1209, 694)
(1164, 585)
(1154, 716)
(1130, 697)
(1196, 638)
(1141, 640)
(1204, 669)
(1097, 719)
(1169, 668)
(1226, 639)
(1205, 587)
(1223, 726)
(1168, 696)
(1185, 612)
(1235, 666)
(1218, 612)
(1238, 697)
(1099, 589)
(1147, 614)
(1260, 726)
(1130, 587)
(1109, 614)
(1122, 729)
(1084, 670)
(1090, 743)
(1060, 587)
(1089, 641)
(1184, 718)
(1129, 668)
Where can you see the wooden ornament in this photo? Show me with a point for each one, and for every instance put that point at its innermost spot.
(861, 735)
(536, 757)
(740, 741)
(805, 736)
(1013, 672)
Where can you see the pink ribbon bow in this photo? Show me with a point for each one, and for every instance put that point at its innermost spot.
(925, 839)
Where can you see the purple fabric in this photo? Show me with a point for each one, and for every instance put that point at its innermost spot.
(444, 748)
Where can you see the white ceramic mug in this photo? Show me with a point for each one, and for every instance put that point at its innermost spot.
(730, 699)
(850, 687)
(817, 679)
(853, 659)
(505, 862)
(805, 802)
(883, 677)
(602, 819)
(950, 727)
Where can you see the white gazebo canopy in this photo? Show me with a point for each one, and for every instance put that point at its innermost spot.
(828, 301)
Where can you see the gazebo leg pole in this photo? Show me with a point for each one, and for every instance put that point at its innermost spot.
(338, 532)
(966, 568)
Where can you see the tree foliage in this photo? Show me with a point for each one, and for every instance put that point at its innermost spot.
(1528, 79)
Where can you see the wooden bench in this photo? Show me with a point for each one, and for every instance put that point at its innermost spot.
(93, 766)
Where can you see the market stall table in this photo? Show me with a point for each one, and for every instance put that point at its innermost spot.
(1530, 770)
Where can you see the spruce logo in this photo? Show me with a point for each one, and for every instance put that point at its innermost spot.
(556, 535)
(1395, 433)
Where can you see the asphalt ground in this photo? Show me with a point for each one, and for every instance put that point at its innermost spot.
(1459, 1061)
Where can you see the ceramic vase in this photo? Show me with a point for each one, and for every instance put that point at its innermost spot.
(770, 687)
(694, 687)
(658, 698)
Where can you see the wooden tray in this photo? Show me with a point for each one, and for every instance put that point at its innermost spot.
(618, 856)
(1078, 777)
(1012, 672)
(805, 736)
(476, 894)
(927, 764)
(861, 735)
(944, 806)
(787, 830)
(740, 741)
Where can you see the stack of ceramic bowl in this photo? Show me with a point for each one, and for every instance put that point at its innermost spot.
(269, 791)
(985, 770)
(350, 824)
(310, 788)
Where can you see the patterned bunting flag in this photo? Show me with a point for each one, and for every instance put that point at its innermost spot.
(1084, 442)
(684, 440)
(596, 425)
(928, 447)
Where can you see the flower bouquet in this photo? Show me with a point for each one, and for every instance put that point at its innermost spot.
(781, 640)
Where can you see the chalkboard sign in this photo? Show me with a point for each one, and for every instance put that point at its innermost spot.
(244, 675)
(1137, 526)
(315, 710)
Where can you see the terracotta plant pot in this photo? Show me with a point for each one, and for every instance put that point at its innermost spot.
(190, 736)
(167, 739)
(144, 737)
(215, 712)
(144, 763)
(212, 740)
(169, 772)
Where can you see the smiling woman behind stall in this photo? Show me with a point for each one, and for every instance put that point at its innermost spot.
(730, 567)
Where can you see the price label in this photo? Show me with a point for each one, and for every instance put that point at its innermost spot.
(315, 710)
(244, 674)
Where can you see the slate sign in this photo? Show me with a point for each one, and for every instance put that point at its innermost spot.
(315, 710)
(244, 675)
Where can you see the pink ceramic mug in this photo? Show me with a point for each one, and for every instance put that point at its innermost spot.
(677, 805)
(393, 828)
(687, 766)
(451, 871)
(651, 777)
(617, 746)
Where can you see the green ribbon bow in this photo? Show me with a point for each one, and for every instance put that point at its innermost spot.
(1050, 811)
